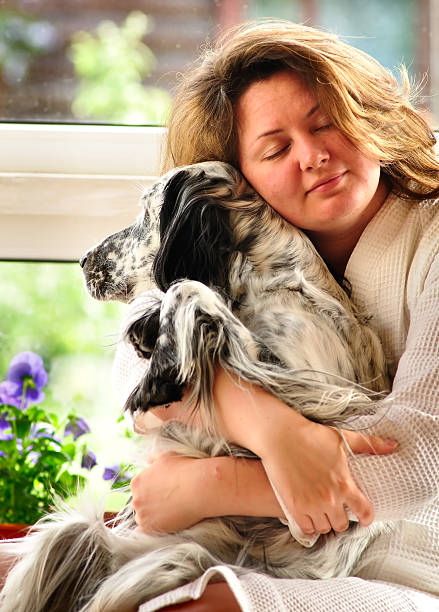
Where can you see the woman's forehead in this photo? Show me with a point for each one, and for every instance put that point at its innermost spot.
(266, 105)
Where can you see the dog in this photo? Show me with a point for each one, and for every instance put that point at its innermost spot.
(214, 278)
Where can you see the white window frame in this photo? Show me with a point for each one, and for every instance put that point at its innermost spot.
(64, 188)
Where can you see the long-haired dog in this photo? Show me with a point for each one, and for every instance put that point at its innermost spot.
(216, 279)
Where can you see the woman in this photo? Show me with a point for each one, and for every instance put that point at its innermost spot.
(329, 139)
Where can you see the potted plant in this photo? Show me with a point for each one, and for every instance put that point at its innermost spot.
(42, 456)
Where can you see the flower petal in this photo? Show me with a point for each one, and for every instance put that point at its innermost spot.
(27, 364)
(4, 424)
(10, 394)
(88, 460)
(112, 472)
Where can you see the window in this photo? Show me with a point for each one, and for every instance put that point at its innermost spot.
(101, 61)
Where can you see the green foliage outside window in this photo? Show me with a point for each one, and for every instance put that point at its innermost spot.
(111, 64)
(44, 307)
(22, 39)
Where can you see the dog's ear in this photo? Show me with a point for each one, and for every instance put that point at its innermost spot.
(195, 233)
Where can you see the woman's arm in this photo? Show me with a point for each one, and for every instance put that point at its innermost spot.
(175, 492)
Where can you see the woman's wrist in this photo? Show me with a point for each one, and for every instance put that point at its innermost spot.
(236, 486)
(250, 416)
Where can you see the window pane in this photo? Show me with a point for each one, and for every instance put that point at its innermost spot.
(44, 308)
(103, 61)
(95, 60)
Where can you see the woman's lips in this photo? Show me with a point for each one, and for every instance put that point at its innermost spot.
(327, 184)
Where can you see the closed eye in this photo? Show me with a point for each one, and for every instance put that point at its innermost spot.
(278, 153)
(324, 127)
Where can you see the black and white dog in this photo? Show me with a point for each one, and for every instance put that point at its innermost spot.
(216, 279)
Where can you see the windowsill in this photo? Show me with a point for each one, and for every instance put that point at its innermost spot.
(65, 187)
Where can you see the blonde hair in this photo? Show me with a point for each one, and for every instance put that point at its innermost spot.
(363, 99)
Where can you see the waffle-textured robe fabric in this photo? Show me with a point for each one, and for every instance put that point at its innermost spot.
(394, 272)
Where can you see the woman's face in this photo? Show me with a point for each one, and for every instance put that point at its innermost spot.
(299, 162)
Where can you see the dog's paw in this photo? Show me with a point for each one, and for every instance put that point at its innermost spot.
(142, 350)
(143, 332)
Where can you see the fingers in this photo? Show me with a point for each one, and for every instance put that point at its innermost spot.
(361, 507)
(322, 524)
(364, 443)
(306, 524)
(332, 514)
(336, 520)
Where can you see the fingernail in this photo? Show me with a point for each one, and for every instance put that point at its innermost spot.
(390, 442)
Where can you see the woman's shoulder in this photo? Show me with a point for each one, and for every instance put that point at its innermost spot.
(426, 251)
(400, 227)
(409, 229)
(402, 220)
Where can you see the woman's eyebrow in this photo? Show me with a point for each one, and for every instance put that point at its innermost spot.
(312, 111)
(269, 133)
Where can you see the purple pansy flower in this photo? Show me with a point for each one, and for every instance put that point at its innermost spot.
(43, 430)
(5, 430)
(10, 394)
(111, 472)
(115, 473)
(4, 423)
(88, 460)
(33, 457)
(78, 427)
(26, 371)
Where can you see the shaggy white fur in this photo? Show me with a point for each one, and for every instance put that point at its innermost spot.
(240, 288)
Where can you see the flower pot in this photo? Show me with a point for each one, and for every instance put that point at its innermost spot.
(7, 531)
(12, 530)
(17, 530)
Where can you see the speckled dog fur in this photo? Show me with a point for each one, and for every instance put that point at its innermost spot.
(215, 278)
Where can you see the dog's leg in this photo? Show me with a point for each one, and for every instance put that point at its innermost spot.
(196, 333)
(142, 327)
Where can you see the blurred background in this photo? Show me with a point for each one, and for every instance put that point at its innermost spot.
(117, 63)
(66, 60)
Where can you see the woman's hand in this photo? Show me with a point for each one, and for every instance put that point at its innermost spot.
(306, 462)
(167, 494)
(309, 469)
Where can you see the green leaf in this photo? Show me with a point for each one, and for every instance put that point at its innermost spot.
(23, 426)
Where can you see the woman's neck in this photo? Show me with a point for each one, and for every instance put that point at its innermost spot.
(337, 246)
(337, 251)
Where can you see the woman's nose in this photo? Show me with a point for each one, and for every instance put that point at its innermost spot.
(312, 155)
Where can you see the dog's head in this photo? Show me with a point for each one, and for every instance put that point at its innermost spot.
(183, 231)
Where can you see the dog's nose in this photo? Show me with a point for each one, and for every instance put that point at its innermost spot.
(82, 261)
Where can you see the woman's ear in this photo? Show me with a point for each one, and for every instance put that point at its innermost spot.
(195, 235)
